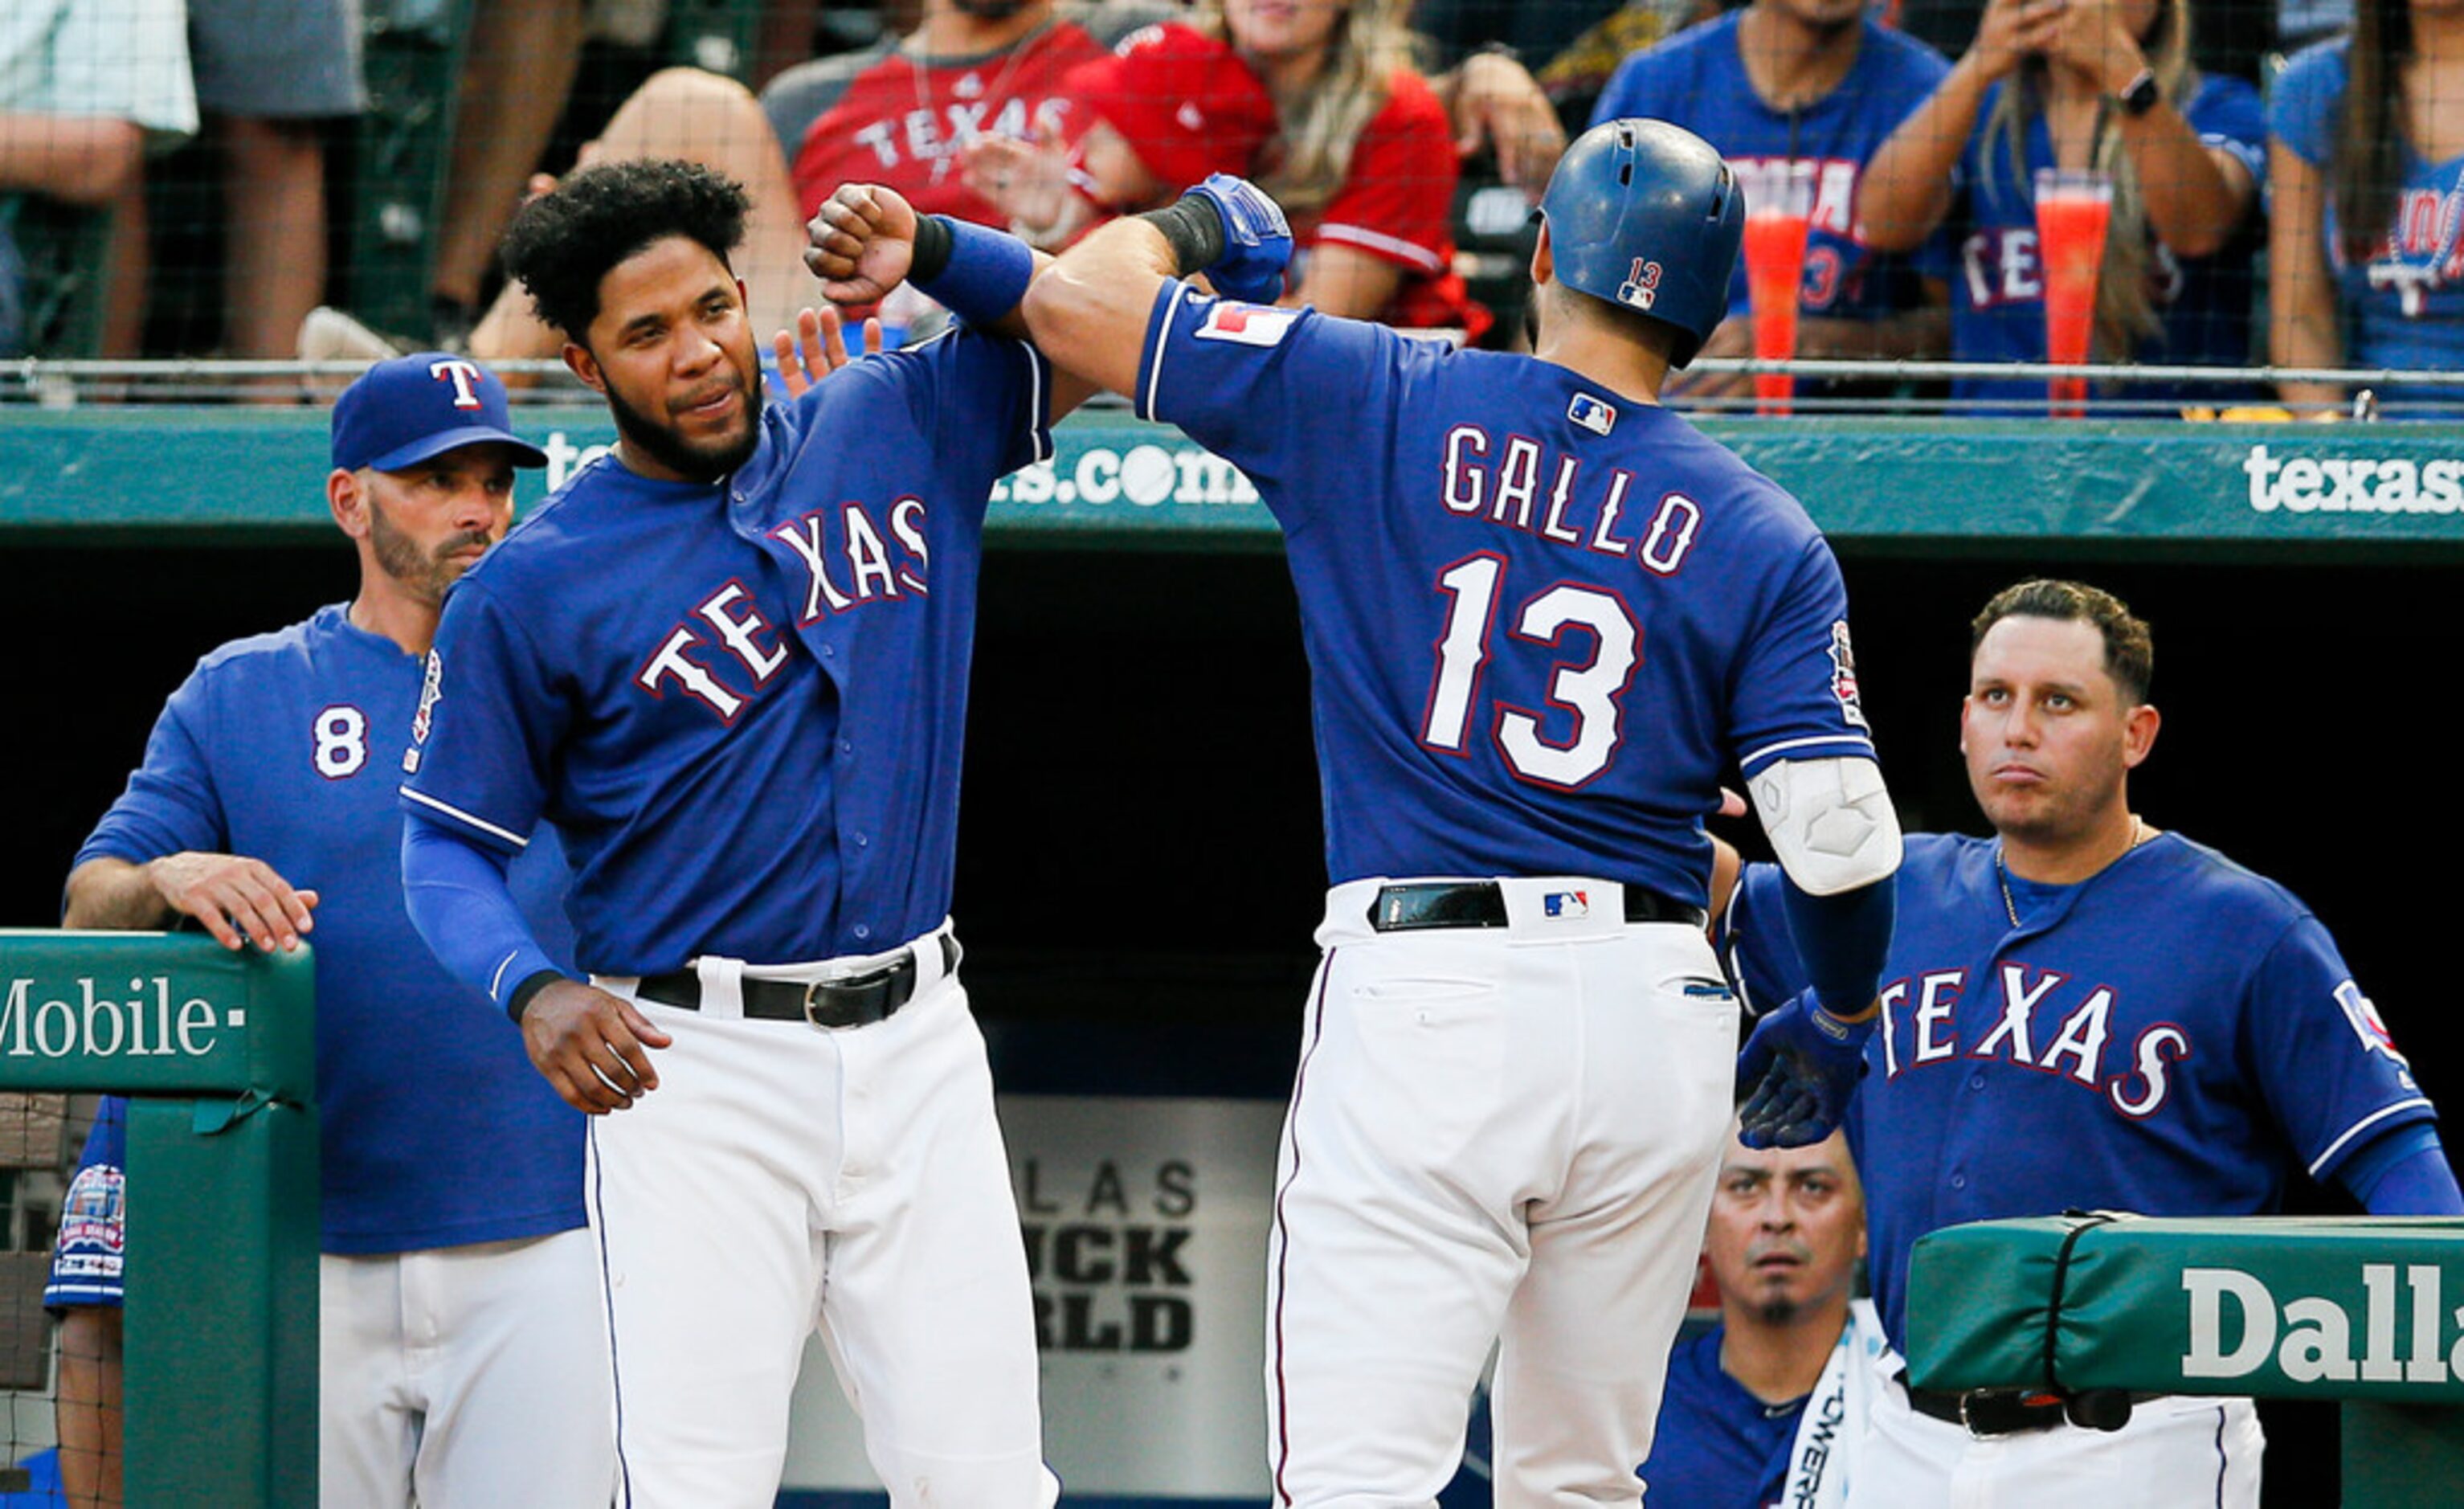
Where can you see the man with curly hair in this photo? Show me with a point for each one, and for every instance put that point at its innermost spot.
(729, 661)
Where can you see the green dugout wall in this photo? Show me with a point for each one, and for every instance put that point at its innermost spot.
(218, 1052)
(93, 476)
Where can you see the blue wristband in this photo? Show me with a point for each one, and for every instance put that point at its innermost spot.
(986, 274)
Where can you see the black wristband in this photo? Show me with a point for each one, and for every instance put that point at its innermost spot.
(532, 985)
(933, 243)
(1193, 227)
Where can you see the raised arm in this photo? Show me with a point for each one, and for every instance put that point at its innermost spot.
(1088, 310)
(2195, 194)
(867, 239)
(1905, 189)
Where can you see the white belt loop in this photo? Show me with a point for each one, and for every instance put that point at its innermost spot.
(722, 994)
(936, 953)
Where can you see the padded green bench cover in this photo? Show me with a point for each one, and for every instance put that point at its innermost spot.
(2357, 1308)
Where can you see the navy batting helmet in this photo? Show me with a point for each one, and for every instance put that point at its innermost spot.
(1646, 216)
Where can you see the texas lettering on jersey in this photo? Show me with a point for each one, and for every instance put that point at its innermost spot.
(858, 563)
(934, 133)
(2003, 265)
(2042, 1020)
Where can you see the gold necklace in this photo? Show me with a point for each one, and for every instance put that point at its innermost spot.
(2139, 834)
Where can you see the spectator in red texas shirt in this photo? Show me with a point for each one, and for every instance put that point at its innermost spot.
(1167, 108)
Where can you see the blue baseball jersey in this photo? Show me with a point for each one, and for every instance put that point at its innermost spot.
(1717, 1446)
(2404, 307)
(89, 1255)
(1998, 291)
(1542, 619)
(434, 1130)
(2171, 1036)
(1697, 79)
(742, 702)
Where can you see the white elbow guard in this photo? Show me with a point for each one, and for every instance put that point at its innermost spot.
(1830, 821)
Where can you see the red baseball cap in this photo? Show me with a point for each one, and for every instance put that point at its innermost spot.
(1185, 103)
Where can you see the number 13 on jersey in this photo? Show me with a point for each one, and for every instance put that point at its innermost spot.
(1591, 689)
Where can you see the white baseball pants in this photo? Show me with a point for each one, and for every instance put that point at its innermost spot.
(784, 1177)
(465, 1378)
(1496, 1134)
(2176, 1451)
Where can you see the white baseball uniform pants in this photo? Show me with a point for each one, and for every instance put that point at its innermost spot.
(784, 1177)
(465, 1378)
(1502, 1135)
(2176, 1451)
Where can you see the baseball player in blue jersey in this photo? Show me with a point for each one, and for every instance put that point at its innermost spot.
(1543, 616)
(1769, 1407)
(2086, 1012)
(1805, 87)
(730, 662)
(85, 1289)
(458, 1288)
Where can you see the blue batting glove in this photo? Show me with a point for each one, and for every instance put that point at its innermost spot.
(1257, 239)
(1798, 1069)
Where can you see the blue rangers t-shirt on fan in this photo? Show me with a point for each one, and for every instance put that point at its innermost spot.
(1697, 79)
(2171, 1036)
(1542, 620)
(89, 1253)
(434, 1130)
(742, 702)
(1997, 290)
(2404, 307)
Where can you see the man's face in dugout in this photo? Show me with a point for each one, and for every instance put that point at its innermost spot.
(1788, 1225)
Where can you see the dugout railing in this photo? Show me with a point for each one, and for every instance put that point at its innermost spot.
(217, 1053)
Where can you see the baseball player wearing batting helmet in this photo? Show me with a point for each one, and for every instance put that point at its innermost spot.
(2086, 1012)
(1543, 616)
(731, 660)
(458, 1288)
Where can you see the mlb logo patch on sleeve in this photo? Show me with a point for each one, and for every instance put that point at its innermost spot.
(1246, 324)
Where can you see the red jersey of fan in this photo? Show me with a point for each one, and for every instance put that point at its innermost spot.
(1397, 204)
(902, 121)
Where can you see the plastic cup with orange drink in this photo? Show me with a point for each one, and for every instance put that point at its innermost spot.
(1776, 214)
(2073, 206)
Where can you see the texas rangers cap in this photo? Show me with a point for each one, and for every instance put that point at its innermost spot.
(1185, 103)
(401, 413)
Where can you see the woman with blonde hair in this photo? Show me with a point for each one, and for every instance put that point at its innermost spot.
(1364, 163)
(2101, 84)
(2366, 174)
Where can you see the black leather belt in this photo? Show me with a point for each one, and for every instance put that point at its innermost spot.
(851, 1001)
(1412, 905)
(2015, 1411)
(1991, 1411)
